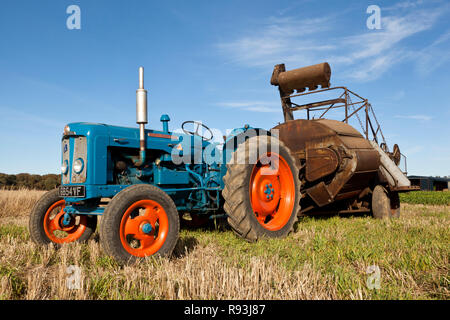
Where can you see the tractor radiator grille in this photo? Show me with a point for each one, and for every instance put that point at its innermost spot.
(74, 148)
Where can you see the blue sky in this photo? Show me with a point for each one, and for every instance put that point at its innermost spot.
(212, 61)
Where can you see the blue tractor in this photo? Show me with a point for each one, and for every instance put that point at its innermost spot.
(154, 178)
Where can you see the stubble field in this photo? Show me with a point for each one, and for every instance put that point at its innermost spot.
(325, 258)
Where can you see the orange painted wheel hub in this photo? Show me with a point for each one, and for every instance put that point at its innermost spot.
(272, 192)
(54, 228)
(144, 228)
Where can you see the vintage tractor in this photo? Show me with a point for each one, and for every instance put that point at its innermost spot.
(142, 182)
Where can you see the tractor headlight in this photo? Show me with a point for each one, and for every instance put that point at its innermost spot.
(78, 165)
(66, 130)
(65, 167)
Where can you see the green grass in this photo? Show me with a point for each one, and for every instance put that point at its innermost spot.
(342, 248)
(412, 253)
(14, 231)
(18, 284)
(426, 197)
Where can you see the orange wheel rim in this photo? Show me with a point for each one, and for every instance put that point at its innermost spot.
(138, 241)
(272, 192)
(55, 229)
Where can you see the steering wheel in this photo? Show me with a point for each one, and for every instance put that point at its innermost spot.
(195, 133)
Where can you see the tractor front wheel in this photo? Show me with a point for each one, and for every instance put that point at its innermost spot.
(46, 223)
(140, 221)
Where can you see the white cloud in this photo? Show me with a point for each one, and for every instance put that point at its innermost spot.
(442, 39)
(373, 68)
(255, 106)
(284, 38)
(404, 5)
(433, 56)
(420, 117)
(362, 57)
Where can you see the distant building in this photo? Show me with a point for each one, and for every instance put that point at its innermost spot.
(430, 183)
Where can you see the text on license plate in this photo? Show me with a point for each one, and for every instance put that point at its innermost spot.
(72, 191)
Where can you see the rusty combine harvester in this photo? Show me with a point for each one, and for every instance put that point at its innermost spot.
(341, 170)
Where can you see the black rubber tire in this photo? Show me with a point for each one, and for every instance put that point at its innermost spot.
(395, 205)
(110, 222)
(36, 220)
(385, 205)
(241, 217)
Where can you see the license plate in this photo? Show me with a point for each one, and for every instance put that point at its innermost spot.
(72, 191)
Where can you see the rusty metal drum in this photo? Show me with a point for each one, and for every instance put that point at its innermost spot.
(299, 79)
(338, 161)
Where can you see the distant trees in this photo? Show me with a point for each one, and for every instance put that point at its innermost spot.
(29, 181)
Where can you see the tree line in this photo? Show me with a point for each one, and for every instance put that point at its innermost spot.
(30, 181)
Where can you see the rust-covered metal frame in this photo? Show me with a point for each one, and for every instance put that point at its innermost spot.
(345, 101)
(352, 103)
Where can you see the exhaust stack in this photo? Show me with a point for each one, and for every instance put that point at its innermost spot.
(141, 116)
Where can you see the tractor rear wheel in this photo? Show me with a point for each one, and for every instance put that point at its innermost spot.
(46, 223)
(140, 221)
(385, 205)
(262, 199)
